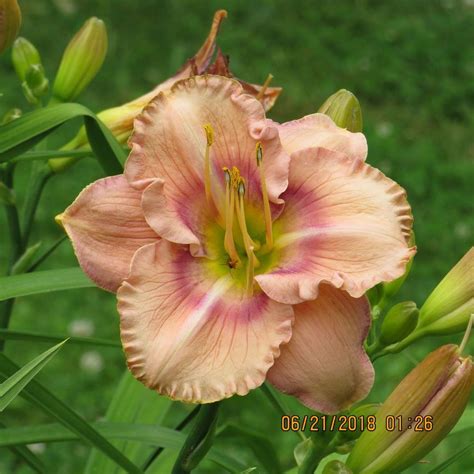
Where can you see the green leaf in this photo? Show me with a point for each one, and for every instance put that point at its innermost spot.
(20, 135)
(10, 335)
(43, 282)
(455, 457)
(28, 457)
(132, 403)
(35, 393)
(148, 434)
(18, 381)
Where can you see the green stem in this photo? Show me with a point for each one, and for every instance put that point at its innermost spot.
(38, 181)
(317, 452)
(399, 346)
(199, 440)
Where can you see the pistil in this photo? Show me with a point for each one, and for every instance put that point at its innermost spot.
(229, 243)
(265, 85)
(266, 202)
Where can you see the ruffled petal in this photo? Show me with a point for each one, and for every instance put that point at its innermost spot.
(324, 364)
(169, 144)
(344, 223)
(318, 130)
(194, 337)
(106, 226)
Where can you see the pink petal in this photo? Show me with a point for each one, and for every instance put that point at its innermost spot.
(318, 130)
(106, 226)
(324, 364)
(193, 336)
(169, 143)
(344, 223)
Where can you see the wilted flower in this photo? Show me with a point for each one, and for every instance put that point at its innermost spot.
(10, 22)
(426, 405)
(120, 119)
(81, 60)
(211, 269)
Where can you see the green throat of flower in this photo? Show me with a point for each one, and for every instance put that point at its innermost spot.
(237, 237)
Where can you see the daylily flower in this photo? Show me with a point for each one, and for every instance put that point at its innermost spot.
(120, 119)
(233, 264)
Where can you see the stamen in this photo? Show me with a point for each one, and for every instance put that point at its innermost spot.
(229, 243)
(207, 164)
(266, 202)
(262, 91)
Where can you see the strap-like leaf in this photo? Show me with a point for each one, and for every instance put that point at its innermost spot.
(18, 381)
(35, 393)
(455, 457)
(20, 135)
(149, 434)
(9, 335)
(43, 282)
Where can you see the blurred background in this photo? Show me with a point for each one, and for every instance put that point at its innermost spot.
(409, 62)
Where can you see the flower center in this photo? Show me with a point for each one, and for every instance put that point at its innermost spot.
(239, 246)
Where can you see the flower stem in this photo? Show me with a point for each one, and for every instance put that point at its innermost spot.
(317, 452)
(199, 440)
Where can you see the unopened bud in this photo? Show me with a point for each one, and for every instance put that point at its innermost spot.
(399, 322)
(10, 22)
(449, 307)
(24, 55)
(11, 115)
(26, 260)
(336, 467)
(344, 109)
(418, 414)
(81, 60)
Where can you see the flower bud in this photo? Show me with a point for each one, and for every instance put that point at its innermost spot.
(424, 407)
(81, 60)
(399, 322)
(24, 55)
(344, 108)
(448, 308)
(10, 22)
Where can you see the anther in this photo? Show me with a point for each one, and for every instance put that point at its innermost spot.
(207, 164)
(266, 202)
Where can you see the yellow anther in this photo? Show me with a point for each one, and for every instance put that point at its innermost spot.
(209, 134)
(59, 219)
(262, 91)
(266, 202)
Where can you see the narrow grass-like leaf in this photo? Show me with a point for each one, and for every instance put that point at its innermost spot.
(11, 335)
(20, 135)
(132, 403)
(150, 434)
(452, 459)
(43, 282)
(18, 381)
(35, 393)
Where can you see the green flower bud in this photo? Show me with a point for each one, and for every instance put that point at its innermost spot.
(81, 60)
(336, 467)
(448, 308)
(10, 22)
(399, 322)
(344, 108)
(24, 55)
(422, 410)
(25, 261)
(11, 115)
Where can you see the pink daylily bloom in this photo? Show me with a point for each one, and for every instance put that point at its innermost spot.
(241, 249)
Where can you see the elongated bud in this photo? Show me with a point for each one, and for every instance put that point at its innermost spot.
(81, 60)
(10, 22)
(448, 308)
(24, 55)
(11, 115)
(344, 108)
(399, 322)
(418, 414)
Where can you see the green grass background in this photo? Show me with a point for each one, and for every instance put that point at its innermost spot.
(410, 63)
